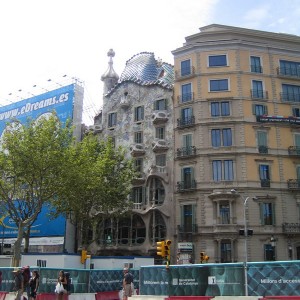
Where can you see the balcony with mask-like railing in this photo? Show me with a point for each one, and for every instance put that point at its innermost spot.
(137, 150)
(294, 150)
(186, 152)
(159, 145)
(186, 186)
(159, 116)
(140, 178)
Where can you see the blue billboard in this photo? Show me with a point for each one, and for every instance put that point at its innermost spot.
(62, 102)
(43, 226)
(59, 100)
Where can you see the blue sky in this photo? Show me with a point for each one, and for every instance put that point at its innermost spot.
(46, 39)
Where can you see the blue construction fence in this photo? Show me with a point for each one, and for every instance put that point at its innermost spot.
(82, 281)
(263, 279)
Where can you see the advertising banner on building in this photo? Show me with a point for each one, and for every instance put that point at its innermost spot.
(60, 100)
(43, 226)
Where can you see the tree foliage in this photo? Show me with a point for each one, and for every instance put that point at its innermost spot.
(41, 164)
(97, 182)
(31, 163)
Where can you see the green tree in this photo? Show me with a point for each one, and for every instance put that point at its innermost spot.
(31, 163)
(97, 182)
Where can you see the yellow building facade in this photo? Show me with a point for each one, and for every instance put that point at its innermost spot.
(237, 145)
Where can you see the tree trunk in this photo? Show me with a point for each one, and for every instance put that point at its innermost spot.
(27, 237)
(17, 246)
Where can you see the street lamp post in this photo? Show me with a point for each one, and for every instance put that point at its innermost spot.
(246, 233)
(246, 246)
(273, 244)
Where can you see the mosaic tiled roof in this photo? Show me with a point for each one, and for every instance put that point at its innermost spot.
(144, 69)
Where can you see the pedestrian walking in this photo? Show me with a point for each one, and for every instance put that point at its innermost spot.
(19, 283)
(127, 284)
(61, 286)
(34, 284)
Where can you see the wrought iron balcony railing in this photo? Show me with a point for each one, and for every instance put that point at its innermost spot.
(257, 94)
(189, 185)
(265, 182)
(192, 228)
(185, 72)
(186, 122)
(263, 149)
(290, 97)
(185, 97)
(256, 69)
(289, 72)
(186, 152)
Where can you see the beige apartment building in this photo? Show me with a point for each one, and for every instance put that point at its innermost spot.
(237, 145)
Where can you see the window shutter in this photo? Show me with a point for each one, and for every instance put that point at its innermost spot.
(262, 138)
(253, 109)
(298, 172)
(297, 140)
(182, 174)
(189, 140)
(182, 215)
(265, 109)
(193, 214)
(192, 174)
(273, 214)
(184, 141)
(262, 220)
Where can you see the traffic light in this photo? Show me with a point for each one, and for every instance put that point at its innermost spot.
(160, 249)
(202, 257)
(83, 256)
(168, 250)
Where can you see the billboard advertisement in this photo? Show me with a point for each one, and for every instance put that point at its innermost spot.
(43, 226)
(60, 100)
(67, 103)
